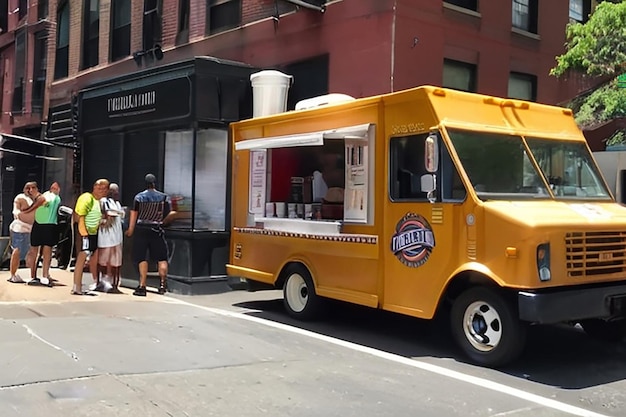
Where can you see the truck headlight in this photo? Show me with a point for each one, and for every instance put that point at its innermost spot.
(543, 262)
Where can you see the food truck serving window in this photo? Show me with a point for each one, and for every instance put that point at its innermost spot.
(321, 175)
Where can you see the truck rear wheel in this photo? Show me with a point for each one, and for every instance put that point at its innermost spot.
(299, 295)
(610, 331)
(486, 327)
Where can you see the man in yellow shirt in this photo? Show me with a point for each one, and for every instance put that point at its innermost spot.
(89, 215)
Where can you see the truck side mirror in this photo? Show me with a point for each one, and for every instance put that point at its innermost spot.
(429, 185)
(431, 153)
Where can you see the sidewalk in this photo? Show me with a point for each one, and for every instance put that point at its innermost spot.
(60, 291)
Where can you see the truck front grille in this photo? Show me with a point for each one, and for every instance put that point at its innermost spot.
(595, 253)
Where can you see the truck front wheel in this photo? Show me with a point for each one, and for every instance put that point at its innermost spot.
(486, 327)
(299, 295)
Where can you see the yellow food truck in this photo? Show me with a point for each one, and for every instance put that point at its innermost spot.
(490, 210)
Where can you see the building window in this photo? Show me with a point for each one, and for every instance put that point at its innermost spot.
(4, 16)
(20, 65)
(183, 22)
(459, 75)
(222, 15)
(120, 29)
(466, 4)
(39, 70)
(152, 29)
(61, 61)
(91, 30)
(22, 9)
(522, 86)
(525, 15)
(579, 10)
(42, 9)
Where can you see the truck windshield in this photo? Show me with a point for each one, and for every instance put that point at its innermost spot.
(499, 167)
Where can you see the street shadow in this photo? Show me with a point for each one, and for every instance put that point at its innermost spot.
(558, 356)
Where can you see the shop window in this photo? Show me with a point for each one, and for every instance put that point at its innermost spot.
(61, 61)
(206, 208)
(178, 174)
(91, 30)
(466, 4)
(183, 22)
(522, 86)
(222, 15)
(120, 29)
(4, 16)
(39, 70)
(459, 75)
(525, 15)
(19, 74)
(42, 9)
(152, 29)
(211, 177)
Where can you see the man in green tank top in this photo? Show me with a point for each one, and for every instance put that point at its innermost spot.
(45, 233)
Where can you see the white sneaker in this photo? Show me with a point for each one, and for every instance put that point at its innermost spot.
(93, 286)
(16, 279)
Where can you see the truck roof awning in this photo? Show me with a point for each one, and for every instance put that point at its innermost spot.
(358, 132)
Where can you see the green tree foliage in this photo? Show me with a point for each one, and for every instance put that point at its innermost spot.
(598, 49)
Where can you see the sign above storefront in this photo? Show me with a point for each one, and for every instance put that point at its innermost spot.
(135, 104)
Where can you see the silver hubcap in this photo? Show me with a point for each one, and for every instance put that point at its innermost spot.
(482, 326)
(296, 292)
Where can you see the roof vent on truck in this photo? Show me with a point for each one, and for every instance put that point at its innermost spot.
(325, 100)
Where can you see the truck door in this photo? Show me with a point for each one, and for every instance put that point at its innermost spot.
(422, 231)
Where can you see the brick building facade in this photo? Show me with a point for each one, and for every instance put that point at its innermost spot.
(356, 47)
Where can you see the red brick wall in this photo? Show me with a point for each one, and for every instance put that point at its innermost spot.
(371, 51)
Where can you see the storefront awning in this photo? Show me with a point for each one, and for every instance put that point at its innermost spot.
(5, 136)
(305, 139)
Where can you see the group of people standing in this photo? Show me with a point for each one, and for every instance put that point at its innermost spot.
(34, 231)
(98, 223)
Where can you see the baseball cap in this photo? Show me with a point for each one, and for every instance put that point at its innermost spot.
(150, 179)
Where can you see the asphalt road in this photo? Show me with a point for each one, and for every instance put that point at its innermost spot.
(238, 354)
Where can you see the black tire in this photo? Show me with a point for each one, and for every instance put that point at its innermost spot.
(486, 327)
(609, 331)
(299, 297)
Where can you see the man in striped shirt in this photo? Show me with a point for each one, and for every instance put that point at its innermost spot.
(150, 212)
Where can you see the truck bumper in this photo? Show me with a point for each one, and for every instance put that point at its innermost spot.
(572, 304)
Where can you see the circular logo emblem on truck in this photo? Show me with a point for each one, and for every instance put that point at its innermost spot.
(413, 241)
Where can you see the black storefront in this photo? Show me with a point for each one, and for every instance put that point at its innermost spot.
(171, 121)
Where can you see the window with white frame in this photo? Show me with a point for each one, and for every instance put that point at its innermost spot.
(525, 15)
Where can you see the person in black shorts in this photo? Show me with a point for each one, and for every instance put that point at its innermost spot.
(150, 212)
(45, 232)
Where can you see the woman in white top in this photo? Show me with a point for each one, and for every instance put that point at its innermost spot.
(110, 238)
